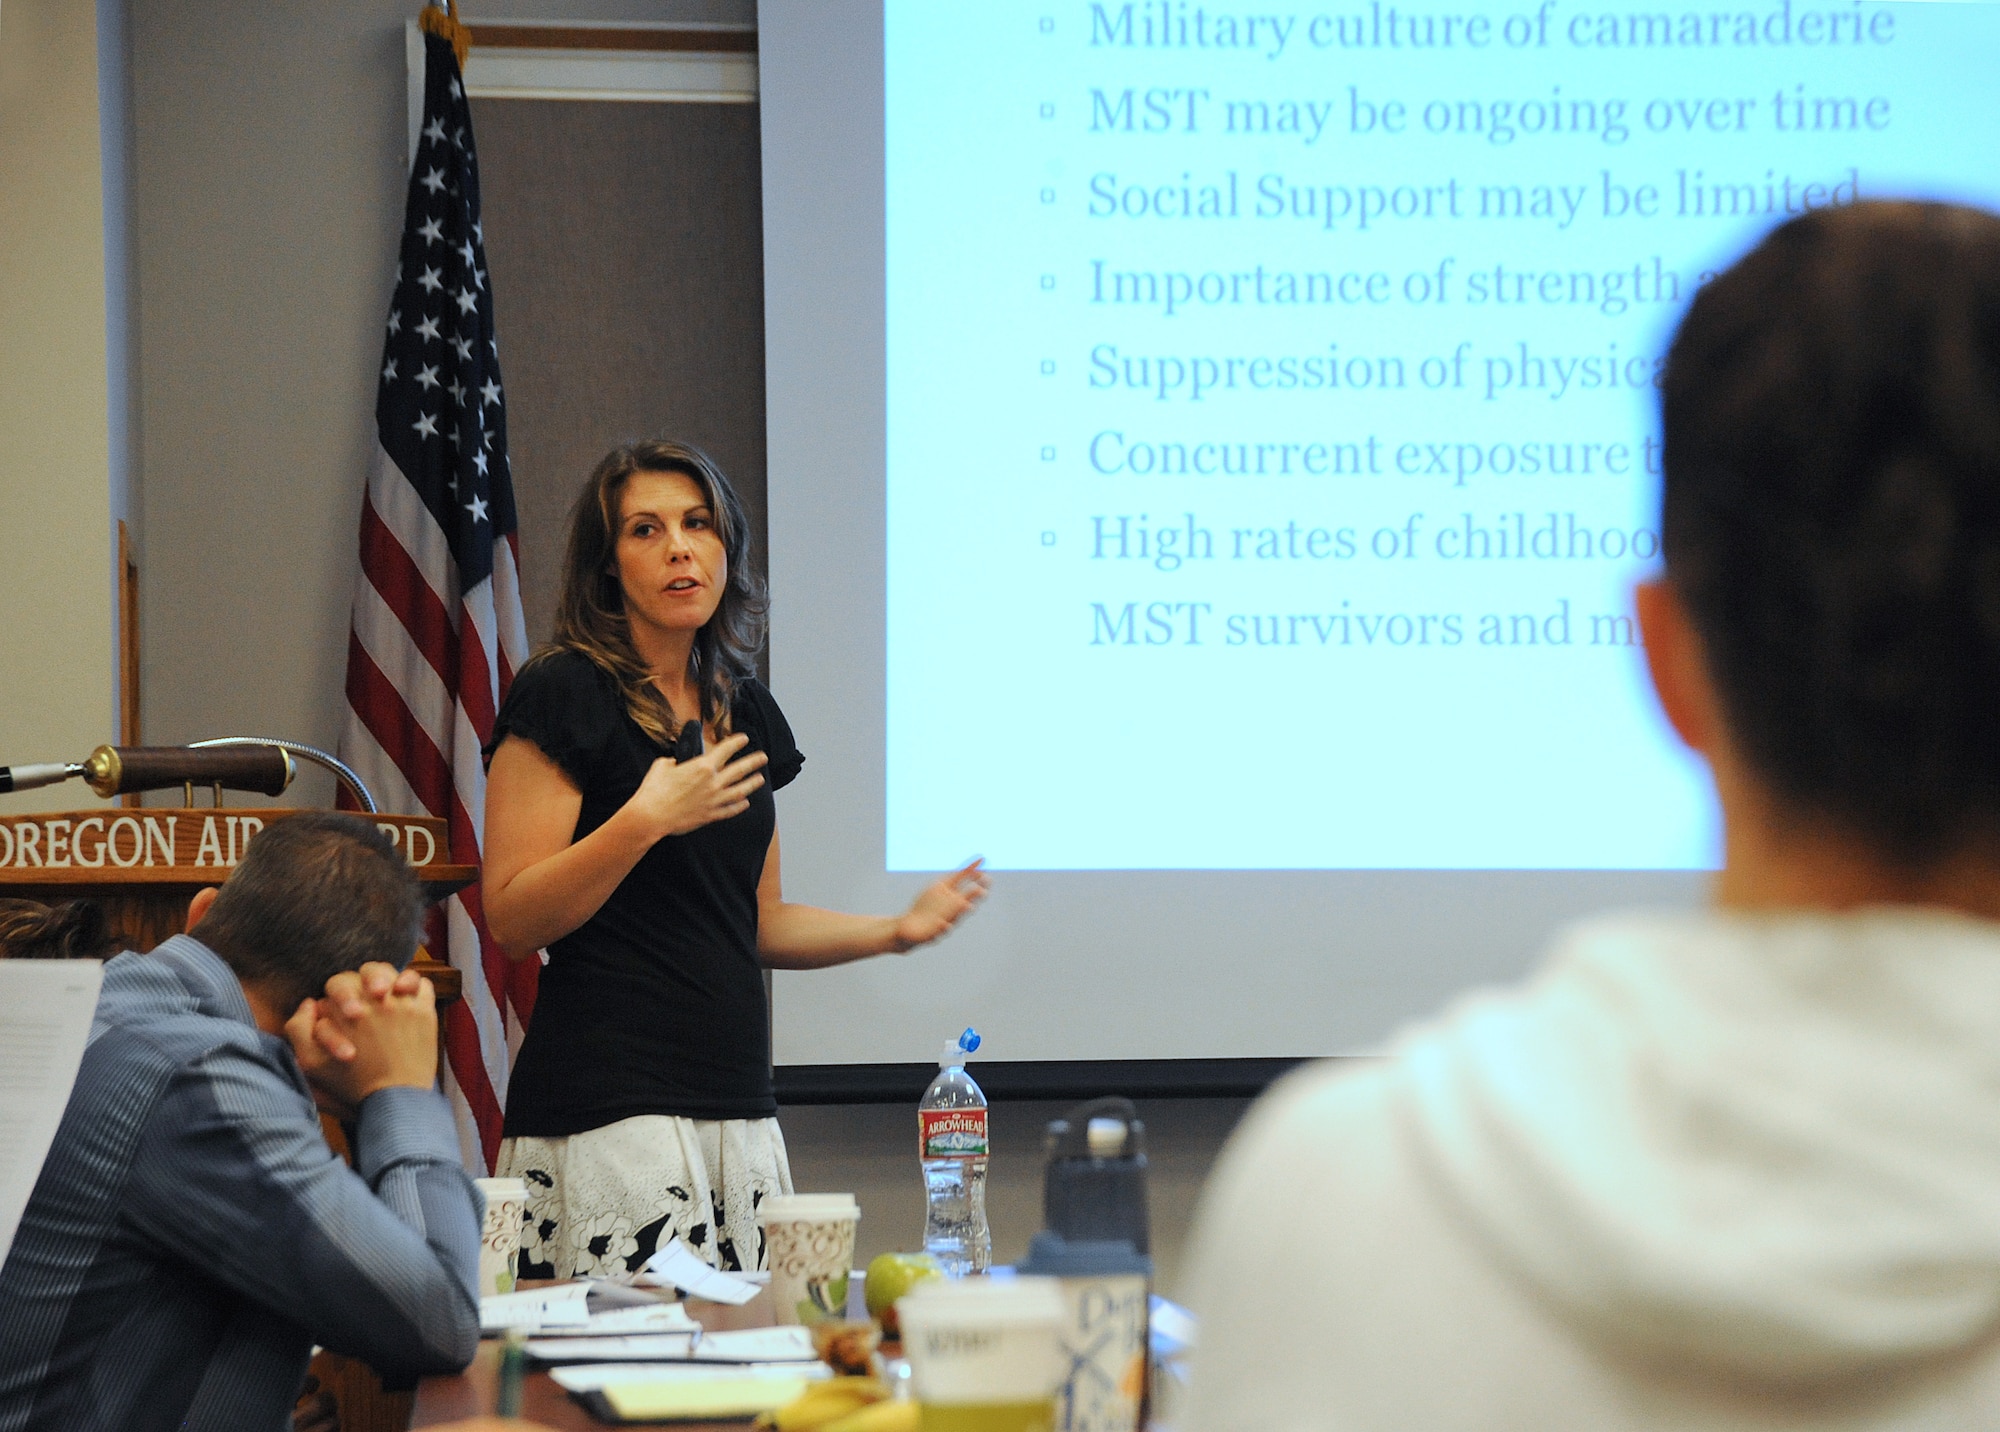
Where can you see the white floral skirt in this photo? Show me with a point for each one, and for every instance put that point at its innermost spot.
(603, 1201)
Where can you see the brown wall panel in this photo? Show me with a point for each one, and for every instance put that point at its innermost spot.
(626, 247)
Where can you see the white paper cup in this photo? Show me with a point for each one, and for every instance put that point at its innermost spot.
(985, 1352)
(500, 1237)
(809, 1248)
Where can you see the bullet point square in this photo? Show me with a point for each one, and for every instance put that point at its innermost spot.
(1048, 367)
(1048, 454)
(1048, 282)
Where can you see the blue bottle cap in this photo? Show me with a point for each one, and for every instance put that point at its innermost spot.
(969, 1041)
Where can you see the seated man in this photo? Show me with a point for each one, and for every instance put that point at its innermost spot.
(191, 1236)
(1735, 1168)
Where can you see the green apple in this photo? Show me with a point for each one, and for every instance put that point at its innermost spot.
(890, 1276)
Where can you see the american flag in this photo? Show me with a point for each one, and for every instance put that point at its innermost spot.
(438, 633)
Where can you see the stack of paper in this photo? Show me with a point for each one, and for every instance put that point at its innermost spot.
(648, 1347)
(535, 1309)
(747, 1345)
(610, 1374)
(652, 1317)
(584, 1309)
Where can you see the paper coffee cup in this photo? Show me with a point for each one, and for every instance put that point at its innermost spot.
(985, 1354)
(809, 1248)
(500, 1236)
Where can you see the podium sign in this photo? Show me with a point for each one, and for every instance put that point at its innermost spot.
(144, 865)
(125, 840)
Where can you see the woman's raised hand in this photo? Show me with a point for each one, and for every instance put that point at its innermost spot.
(942, 904)
(677, 797)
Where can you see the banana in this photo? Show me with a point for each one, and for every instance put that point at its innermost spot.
(823, 1403)
(879, 1417)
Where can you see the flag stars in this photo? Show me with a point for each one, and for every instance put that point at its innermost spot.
(430, 280)
(490, 391)
(433, 181)
(434, 131)
(389, 371)
(426, 426)
(477, 507)
(457, 90)
(433, 231)
(457, 391)
(428, 328)
(395, 321)
(479, 462)
(428, 378)
(467, 250)
(464, 347)
(468, 302)
(479, 278)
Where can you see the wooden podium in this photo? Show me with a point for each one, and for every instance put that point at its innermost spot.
(144, 865)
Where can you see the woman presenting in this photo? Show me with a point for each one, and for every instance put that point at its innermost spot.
(641, 1105)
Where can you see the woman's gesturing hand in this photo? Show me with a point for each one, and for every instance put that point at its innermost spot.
(942, 904)
(677, 797)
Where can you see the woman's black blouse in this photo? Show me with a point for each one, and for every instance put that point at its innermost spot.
(655, 1005)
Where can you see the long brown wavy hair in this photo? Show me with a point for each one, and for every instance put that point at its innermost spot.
(590, 616)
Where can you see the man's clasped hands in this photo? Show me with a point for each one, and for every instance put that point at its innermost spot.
(374, 1028)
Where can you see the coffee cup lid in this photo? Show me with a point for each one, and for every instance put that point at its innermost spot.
(983, 1302)
(807, 1205)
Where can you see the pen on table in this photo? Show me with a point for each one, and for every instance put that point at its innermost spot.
(513, 1365)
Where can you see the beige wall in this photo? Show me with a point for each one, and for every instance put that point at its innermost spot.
(57, 639)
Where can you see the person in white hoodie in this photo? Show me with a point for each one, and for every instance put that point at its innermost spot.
(1736, 1168)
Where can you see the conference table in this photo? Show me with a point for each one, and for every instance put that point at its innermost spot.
(475, 1391)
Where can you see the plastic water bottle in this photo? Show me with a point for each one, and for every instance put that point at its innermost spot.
(951, 1138)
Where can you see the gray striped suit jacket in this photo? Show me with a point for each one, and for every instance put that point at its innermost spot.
(191, 1235)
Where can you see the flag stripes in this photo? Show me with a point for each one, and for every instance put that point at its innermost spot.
(437, 630)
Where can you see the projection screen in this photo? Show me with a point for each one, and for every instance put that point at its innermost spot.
(1210, 454)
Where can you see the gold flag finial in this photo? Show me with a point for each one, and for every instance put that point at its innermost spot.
(443, 22)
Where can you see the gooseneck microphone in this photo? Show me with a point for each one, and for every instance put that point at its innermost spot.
(27, 778)
(120, 770)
